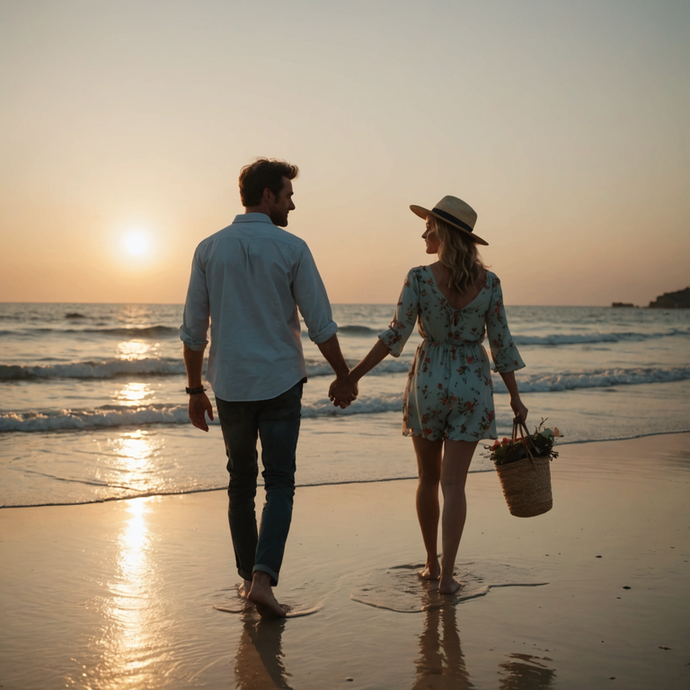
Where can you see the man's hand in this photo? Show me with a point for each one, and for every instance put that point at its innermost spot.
(199, 405)
(343, 392)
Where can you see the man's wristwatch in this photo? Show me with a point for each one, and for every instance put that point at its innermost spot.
(195, 391)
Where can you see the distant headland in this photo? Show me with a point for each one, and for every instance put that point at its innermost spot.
(669, 300)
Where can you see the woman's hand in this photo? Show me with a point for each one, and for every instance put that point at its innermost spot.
(519, 409)
(511, 384)
(343, 392)
(344, 389)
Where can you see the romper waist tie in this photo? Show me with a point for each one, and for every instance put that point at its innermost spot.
(447, 343)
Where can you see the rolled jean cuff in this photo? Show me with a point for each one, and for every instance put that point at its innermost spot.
(265, 569)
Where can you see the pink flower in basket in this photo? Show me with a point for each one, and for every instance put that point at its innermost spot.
(539, 445)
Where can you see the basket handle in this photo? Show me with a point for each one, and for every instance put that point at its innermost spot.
(519, 426)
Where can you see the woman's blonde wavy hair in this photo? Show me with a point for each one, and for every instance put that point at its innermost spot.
(459, 254)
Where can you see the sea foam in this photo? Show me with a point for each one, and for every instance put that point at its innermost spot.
(150, 366)
(597, 337)
(115, 415)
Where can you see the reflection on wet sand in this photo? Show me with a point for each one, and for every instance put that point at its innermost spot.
(131, 641)
(441, 663)
(259, 661)
(526, 672)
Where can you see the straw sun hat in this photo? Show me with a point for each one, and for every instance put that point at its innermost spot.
(454, 211)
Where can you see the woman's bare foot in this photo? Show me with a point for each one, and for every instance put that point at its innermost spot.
(432, 571)
(449, 587)
(243, 588)
(261, 595)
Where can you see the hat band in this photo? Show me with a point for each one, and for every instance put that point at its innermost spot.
(451, 219)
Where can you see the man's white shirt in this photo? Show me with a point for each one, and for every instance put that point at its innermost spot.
(248, 281)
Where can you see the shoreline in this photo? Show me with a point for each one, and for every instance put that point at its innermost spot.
(485, 470)
(120, 594)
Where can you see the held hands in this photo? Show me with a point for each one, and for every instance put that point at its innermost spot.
(199, 406)
(343, 392)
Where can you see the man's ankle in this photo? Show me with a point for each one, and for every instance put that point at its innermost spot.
(259, 577)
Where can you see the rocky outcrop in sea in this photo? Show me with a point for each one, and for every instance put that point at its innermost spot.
(672, 300)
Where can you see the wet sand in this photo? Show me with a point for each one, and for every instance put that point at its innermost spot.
(592, 594)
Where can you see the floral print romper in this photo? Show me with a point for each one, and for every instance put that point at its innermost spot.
(449, 394)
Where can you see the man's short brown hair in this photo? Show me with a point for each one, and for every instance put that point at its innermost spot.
(264, 173)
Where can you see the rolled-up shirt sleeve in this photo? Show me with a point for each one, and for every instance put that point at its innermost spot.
(405, 317)
(503, 350)
(197, 311)
(312, 299)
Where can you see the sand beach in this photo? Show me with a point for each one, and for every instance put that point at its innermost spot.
(125, 129)
(593, 594)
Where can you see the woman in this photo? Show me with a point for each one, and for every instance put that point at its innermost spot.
(448, 402)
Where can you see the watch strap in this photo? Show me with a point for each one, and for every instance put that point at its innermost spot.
(195, 391)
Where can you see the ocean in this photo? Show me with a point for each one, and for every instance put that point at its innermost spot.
(93, 408)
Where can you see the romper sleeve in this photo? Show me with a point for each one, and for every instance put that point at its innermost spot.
(503, 350)
(405, 316)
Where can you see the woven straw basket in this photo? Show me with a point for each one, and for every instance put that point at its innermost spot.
(527, 486)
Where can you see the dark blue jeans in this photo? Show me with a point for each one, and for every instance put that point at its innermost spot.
(276, 422)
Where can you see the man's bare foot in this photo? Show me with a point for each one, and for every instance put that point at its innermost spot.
(450, 587)
(431, 572)
(243, 588)
(261, 595)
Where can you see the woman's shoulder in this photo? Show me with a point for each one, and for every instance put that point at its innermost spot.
(491, 278)
(420, 274)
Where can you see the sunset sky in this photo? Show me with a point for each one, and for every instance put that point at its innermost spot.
(124, 126)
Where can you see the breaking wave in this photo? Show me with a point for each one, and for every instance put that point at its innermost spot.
(131, 332)
(116, 415)
(117, 368)
(593, 338)
(107, 369)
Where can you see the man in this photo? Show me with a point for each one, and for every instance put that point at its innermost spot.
(249, 280)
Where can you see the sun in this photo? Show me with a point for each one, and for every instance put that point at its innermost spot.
(136, 242)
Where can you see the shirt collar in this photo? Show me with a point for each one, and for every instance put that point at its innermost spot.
(252, 218)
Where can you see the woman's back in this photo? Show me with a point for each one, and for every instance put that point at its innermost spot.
(456, 299)
(440, 320)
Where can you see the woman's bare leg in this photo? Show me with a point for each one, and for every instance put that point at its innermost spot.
(457, 456)
(429, 458)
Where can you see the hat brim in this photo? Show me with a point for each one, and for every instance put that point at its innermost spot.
(424, 212)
